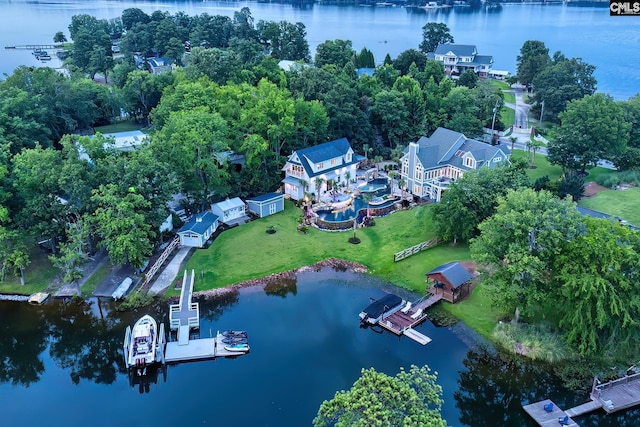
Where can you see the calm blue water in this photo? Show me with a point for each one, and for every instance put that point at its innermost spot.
(609, 43)
(62, 363)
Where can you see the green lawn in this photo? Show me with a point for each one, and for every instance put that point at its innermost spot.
(477, 312)
(248, 252)
(622, 203)
(543, 167)
(509, 97)
(499, 84)
(123, 126)
(508, 116)
(37, 277)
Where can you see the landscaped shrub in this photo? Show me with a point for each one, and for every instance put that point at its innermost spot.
(536, 342)
(612, 180)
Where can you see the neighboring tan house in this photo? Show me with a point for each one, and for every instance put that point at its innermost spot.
(266, 204)
(231, 211)
(321, 164)
(429, 165)
(196, 232)
(458, 58)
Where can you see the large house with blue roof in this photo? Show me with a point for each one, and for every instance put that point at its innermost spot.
(319, 168)
(458, 58)
(429, 165)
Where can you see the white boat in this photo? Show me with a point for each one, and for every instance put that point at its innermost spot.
(142, 348)
(38, 298)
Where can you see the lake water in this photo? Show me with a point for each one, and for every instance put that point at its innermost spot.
(61, 363)
(609, 43)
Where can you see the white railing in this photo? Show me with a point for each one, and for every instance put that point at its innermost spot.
(415, 249)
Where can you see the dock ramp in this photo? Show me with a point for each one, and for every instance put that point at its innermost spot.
(417, 336)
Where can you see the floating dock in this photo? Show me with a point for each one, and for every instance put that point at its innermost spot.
(402, 321)
(200, 349)
(612, 396)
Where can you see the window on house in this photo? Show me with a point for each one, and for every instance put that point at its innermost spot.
(348, 157)
(320, 165)
(497, 159)
(334, 162)
(416, 190)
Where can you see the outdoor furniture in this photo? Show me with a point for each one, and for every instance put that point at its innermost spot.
(564, 421)
(548, 407)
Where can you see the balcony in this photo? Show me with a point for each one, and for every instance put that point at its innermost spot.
(297, 174)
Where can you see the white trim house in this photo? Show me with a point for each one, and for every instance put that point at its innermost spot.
(230, 210)
(458, 58)
(429, 165)
(196, 232)
(327, 162)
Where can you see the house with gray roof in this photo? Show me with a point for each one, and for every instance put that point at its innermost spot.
(319, 168)
(458, 58)
(429, 165)
(196, 232)
(450, 280)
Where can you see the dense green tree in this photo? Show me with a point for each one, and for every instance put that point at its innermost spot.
(346, 117)
(415, 105)
(519, 245)
(217, 64)
(630, 157)
(408, 57)
(433, 34)
(88, 34)
(284, 40)
(462, 112)
(193, 142)
(142, 92)
(409, 399)
(138, 40)
(365, 59)
(468, 79)
(21, 119)
(334, 52)
(211, 31)
(560, 82)
(59, 37)
(73, 254)
(596, 275)
(390, 114)
(386, 75)
(120, 222)
(591, 129)
(312, 83)
(473, 198)
(572, 184)
(533, 58)
(133, 16)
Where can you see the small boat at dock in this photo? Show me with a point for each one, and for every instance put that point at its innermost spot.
(384, 306)
(142, 348)
(38, 298)
(241, 348)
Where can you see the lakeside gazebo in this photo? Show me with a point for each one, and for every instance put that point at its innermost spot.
(450, 280)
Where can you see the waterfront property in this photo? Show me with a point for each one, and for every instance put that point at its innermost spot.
(458, 58)
(320, 168)
(196, 232)
(266, 204)
(429, 165)
(450, 280)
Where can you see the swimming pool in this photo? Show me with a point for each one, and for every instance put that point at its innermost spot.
(352, 211)
(374, 185)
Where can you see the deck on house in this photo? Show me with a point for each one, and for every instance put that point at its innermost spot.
(402, 321)
(612, 396)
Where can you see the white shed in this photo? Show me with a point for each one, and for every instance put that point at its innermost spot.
(230, 211)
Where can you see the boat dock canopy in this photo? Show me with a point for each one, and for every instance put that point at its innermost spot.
(377, 308)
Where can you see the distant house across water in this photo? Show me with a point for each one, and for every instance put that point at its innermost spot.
(458, 58)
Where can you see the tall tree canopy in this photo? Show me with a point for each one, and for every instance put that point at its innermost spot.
(409, 399)
(592, 128)
(433, 34)
(533, 58)
(519, 244)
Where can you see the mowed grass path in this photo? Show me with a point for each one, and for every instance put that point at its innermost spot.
(248, 252)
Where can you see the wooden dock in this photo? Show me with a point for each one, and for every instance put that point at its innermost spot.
(547, 419)
(411, 315)
(199, 349)
(185, 314)
(612, 396)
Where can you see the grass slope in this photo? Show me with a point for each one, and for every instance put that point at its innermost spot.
(248, 252)
(554, 172)
(622, 203)
(37, 276)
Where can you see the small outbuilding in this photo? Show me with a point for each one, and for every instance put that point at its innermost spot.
(266, 204)
(450, 280)
(196, 232)
(231, 211)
